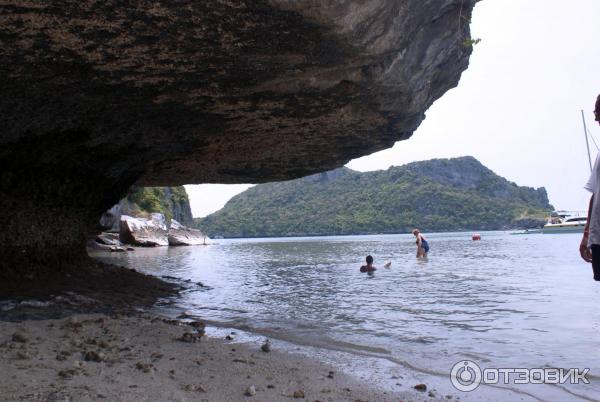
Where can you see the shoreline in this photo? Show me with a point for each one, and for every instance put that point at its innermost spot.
(145, 357)
(142, 356)
(398, 377)
(80, 319)
(377, 371)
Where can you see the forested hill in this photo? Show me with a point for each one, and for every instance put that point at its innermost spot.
(434, 195)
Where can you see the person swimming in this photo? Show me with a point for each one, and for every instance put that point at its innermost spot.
(369, 267)
(422, 245)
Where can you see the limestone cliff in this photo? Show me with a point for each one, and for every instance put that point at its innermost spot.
(172, 202)
(99, 95)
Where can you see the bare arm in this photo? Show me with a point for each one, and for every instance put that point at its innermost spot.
(584, 251)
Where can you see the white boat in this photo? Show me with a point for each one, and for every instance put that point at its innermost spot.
(570, 221)
(566, 222)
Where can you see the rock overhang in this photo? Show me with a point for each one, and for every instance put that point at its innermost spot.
(224, 91)
(97, 96)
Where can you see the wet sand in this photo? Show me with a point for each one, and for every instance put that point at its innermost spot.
(108, 287)
(142, 357)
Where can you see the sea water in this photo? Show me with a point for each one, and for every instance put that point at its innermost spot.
(507, 301)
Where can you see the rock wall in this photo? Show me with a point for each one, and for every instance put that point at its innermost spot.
(97, 96)
(180, 207)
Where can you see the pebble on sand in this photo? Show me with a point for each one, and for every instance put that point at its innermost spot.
(192, 387)
(299, 394)
(92, 356)
(23, 355)
(266, 347)
(420, 387)
(190, 337)
(250, 391)
(19, 337)
(145, 367)
(199, 326)
(67, 374)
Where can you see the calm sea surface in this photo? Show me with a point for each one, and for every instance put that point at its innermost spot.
(507, 301)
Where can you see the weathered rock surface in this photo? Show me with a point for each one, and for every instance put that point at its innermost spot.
(97, 96)
(144, 232)
(180, 235)
(109, 239)
(154, 232)
(111, 218)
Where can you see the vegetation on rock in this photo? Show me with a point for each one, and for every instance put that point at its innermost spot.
(172, 202)
(435, 195)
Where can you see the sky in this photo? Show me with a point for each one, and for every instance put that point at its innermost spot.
(517, 108)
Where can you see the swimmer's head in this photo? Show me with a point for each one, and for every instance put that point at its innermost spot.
(369, 259)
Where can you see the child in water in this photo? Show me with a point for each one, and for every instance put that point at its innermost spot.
(369, 267)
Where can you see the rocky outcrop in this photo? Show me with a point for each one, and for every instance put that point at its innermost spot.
(111, 218)
(180, 208)
(140, 202)
(144, 232)
(98, 96)
(153, 232)
(108, 239)
(180, 235)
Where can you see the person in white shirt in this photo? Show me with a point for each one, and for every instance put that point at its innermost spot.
(589, 248)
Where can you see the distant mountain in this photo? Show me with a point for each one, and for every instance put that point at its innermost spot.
(434, 195)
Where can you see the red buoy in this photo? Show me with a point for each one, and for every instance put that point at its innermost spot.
(476, 236)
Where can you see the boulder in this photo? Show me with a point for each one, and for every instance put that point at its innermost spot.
(143, 232)
(180, 235)
(109, 239)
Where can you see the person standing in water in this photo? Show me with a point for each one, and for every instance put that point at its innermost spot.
(422, 245)
(589, 248)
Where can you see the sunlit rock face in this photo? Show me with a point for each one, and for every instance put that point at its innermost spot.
(99, 95)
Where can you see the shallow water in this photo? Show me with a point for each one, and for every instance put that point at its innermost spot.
(506, 301)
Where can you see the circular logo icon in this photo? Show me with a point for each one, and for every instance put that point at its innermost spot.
(465, 375)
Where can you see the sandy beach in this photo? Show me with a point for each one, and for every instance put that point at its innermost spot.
(143, 357)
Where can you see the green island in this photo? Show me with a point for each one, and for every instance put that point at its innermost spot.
(436, 195)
